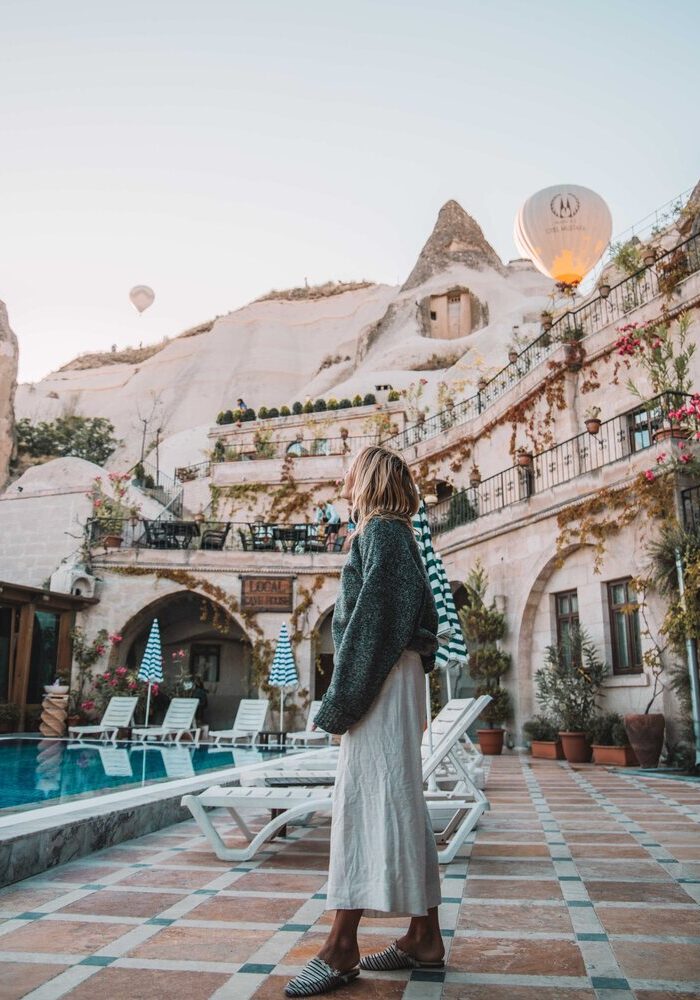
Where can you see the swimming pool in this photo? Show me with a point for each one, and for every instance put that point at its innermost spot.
(43, 772)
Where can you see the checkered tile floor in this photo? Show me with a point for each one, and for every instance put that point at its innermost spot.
(578, 884)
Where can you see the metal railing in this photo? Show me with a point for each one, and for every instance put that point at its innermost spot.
(165, 490)
(209, 535)
(628, 295)
(616, 439)
(318, 447)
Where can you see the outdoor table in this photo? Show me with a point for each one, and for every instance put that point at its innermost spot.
(270, 739)
(180, 533)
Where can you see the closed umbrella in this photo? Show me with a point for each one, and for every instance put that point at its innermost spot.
(151, 669)
(452, 648)
(283, 673)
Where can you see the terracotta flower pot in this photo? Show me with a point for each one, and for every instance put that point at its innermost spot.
(524, 459)
(646, 735)
(604, 291)
(547, 749)
(490, 741)
(577, 749)
(572, 357)
(512, 356)
(112, 541)
(593, 426)
(616, 756)
(671, 433)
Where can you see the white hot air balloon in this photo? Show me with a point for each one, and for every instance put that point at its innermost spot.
(564, 230)
(141, 297)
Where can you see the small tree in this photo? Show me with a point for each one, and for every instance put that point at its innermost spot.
(570, 682)
(483, 627)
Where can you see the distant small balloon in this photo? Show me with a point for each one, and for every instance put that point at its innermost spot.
(564, 230)
(142, 297)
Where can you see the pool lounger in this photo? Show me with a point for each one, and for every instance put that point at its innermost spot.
(118, 715)
(462, 806)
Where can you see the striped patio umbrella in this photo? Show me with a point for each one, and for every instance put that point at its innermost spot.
(151, 669)
(283, 672)
(452, 648)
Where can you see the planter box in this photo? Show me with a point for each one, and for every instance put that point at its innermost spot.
(615, 756)
(547, 749)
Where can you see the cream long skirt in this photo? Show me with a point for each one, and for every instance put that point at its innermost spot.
(383, 858)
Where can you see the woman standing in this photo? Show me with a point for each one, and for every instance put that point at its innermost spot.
(383, 859)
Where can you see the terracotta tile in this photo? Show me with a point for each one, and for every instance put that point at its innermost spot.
(202, 944)
(485, 836)
(550, 919)
(598, 851)
(20, 978)
(246, 908)
(619, 869)
(19, 900)
(658, 961)
(126, 855)
(508, 956)
(272, 881)
(666, 995)
(591, 838)
(362, 989)
(642, 920)
(458, 991)
(524, 866)
(206, 858)
(481, 850)
(69, 937)
(685, 852)
(171, 878)
(502, 888)
(637, 892)
(145, 984)
(128, 904)
(317, 862)
(81, 873)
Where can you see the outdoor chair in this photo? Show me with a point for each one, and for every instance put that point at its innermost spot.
(262, 537)
(156, 536)
(177, 758)
(249, 721)
(178, 722)
(287, 539)
(308, 735)
(115, 762)
(215, 538)
(463, 805)
(118, 715)
(245, 541)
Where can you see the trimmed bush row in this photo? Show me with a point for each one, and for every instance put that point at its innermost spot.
(320, 406)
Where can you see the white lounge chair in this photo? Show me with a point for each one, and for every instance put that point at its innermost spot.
(249, 721)
(309, 735)
(118, 715)
(465, 804)
(178, 722)
(115, 762)
(176, 757)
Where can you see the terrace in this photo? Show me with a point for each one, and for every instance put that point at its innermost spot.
(578, 884)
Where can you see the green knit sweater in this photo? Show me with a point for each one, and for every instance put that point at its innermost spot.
(384, 606)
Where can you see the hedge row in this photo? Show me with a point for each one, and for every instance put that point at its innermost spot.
(320, 406)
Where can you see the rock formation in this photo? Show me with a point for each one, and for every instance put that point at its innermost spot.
(456, 239)
(9, 354)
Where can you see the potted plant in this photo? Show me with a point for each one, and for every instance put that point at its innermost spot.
(523, 457)
(546, 319)
(543, 734)
(138, 474)
(9, 717)
(568, 687)
(482, 383)
(573, 352)
(604, 288)
(344, 433)
(649, 255)
(474, 476)
(609, 741)
(512, 354)
(592, 419)
(483, 627)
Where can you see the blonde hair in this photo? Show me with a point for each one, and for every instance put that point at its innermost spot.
(382, 487)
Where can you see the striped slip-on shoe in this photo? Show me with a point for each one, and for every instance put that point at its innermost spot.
(318, 977)
(393, 958)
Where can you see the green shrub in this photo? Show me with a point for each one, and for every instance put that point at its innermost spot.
(344, 403)
(394, 396)
(91, 438)
(539, 727)
(357, 400)
(285, 411)
(308, 406)
(272, 412)
(248, 414)
(236, 416)
(218, 452)
(332, 403)
(149, 482)
(461, 509)
(570, 682)
(369, 400)
(263, 413)
(483, 626)
(297, 408)
(607, 730)
(320, 406)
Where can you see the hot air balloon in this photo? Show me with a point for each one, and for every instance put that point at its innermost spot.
(564, 229)
(142, 297)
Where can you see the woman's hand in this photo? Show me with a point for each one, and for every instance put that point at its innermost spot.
(314, 727)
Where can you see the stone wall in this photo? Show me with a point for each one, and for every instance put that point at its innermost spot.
(9, 354)
(38, 532)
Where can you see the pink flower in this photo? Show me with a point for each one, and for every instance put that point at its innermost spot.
(681, 445)
(113, 683)
(106, 676)
(115, 639)
(423, 381)
(120, 671)
(685, 458)
(100, 650)
(132, 685)
(661, 458)
(87, 705)
(649, 476)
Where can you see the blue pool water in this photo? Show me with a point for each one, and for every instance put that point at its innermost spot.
(44, 772)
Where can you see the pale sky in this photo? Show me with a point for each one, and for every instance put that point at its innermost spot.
(218, 149)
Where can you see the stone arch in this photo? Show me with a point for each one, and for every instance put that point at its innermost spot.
(322, 653)
(215, 645)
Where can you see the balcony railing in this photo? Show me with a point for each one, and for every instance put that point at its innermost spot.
(258, 536)
(319, 447)
(617, 439)
(628, 295)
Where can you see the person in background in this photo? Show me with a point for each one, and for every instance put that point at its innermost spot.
(200, 693)
(242, 405)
